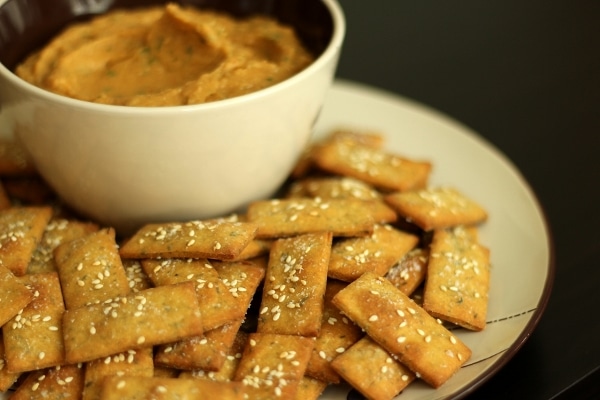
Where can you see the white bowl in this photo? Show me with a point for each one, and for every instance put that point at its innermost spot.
(126, 166)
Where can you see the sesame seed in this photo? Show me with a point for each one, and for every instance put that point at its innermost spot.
(121, 385)
(401, 339)
(141, 340)
(373, 318)
(41, 355)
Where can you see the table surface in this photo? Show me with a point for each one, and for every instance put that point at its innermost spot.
(525, 75)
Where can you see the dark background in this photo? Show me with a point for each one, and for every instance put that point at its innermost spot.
(525, 74)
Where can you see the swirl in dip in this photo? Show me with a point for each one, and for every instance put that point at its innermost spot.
(166, 56)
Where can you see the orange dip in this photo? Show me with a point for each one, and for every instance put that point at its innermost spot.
(166, 56)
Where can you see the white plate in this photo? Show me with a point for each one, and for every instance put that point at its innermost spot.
(516, 233)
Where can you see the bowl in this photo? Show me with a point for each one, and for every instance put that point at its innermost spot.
(125, 166)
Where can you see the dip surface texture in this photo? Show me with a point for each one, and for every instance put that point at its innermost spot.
(166, 56)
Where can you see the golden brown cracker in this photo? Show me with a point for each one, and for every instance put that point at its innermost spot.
(377, 253)
(22, 228)
(371, 370)
(333, 187)
(90, 269)
(132, 362)
(403, 328)
(121, 324)
(7, 378)
(292, 297)
(33, 338)
(137, 278)
(458, 279)
(289, 217)
(221, 239)
(217, 304)
(58, 231)
(381, 169)
(337, 334)
(226, 372)
(437, 208)
(60, 382)
(410, 271)
(272, 365)
(14, 295)
(158, 388)
(14, 160)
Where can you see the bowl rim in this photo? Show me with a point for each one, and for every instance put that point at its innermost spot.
(332, 50)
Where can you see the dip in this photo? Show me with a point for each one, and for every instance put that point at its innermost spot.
(166, 56)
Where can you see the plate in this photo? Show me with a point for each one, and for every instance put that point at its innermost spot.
(516, 232)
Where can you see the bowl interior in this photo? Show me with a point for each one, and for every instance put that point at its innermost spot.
(26, 25)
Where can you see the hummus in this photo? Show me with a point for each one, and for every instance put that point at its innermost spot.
(166, 56)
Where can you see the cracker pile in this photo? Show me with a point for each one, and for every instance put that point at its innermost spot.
(358, 272)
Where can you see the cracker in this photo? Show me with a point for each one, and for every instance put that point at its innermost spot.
(217, 305)
(133, 362)
(437, 208)
(137, 278)
(409, 272)
(292, 298)
(458, 279)
(310, 388)
(382, 170)
(226, 372)
(60, 382)
(305, 163)
(90, 269)
(289, 217)
(30, 190)
(156, 388)
(121, 324)
(33, 338)
(209, 351)
(371, 370)
(272, 365)
(58, 231)
(221, 239)
(22, 228)
(403, 328)
(7, 378)
(256, 248)
(337, 334)
(338, 187)
(352, 257)
(14, 161)
(14, 295)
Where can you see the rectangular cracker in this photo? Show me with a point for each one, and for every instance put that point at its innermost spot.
(336, 187)
(226, 372)
(7, 378)
(22, 228)
(292, 297)
(156, 388)
(90, 269)
(60, 382)
(130, 322)
(371, 370)
(33, 338)
(137, 278)
(351, 257)
(14, 295)
(377, 167)
(337, 334)
(209, 351)
(403, 328)
(217, 304)
(132, 362)
(273, 365)
(220, 239)
(288, 217)
(458, 279)
(58, 231)
(410, 271)
(437, 208)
